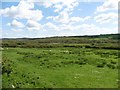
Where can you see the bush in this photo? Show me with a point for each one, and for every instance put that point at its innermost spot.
(6, 66)
(100, 65)
(112, 66)
(113, 62)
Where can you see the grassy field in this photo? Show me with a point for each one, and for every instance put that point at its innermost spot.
(61, 67)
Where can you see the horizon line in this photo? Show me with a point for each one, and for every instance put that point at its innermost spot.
(56, 36)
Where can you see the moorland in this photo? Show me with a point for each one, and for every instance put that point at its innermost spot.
(61, 62)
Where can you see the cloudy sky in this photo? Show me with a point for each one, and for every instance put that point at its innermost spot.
(46, 18)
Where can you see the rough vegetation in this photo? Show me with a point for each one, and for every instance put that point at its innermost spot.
(101, 41)
(38, 63)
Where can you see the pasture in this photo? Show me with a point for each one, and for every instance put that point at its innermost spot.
(60, 67)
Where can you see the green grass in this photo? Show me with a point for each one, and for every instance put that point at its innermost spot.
(59, 68)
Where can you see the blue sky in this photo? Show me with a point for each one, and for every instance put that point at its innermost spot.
(28, 18)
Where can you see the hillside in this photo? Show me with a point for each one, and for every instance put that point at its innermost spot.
(109, 41)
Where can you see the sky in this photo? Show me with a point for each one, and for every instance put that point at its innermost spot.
(48, 18)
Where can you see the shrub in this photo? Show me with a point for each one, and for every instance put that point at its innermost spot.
(100, 65)
(81, 62)
(6, 66)
(112, 66)
(113, 62)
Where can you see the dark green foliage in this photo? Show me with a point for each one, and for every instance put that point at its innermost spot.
(6, 66)
(112, 66)
(113, 62)
(99, 42)
(101, 65)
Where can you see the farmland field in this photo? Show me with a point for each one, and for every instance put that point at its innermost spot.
(60, 67)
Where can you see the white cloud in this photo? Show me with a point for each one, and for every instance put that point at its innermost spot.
(64, 18)
(16, 23)
(105, 18)
(56, 3)
(115, 22)
(17, 30)
(48, 4)
(108, 5)
(85, 27)
(66, 27)
(61, 27)
(33, 25)
(67, 4)
(79, 19)
(24, 10)
(76, 19)
(8, 24)
(58, 7)
(26, 4)
(92, 29)
(50, 25)
(50, 17)
(63, 7)
(79, 29)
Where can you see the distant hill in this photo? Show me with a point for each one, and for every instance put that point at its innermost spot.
(112, 36)
(106, 41)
